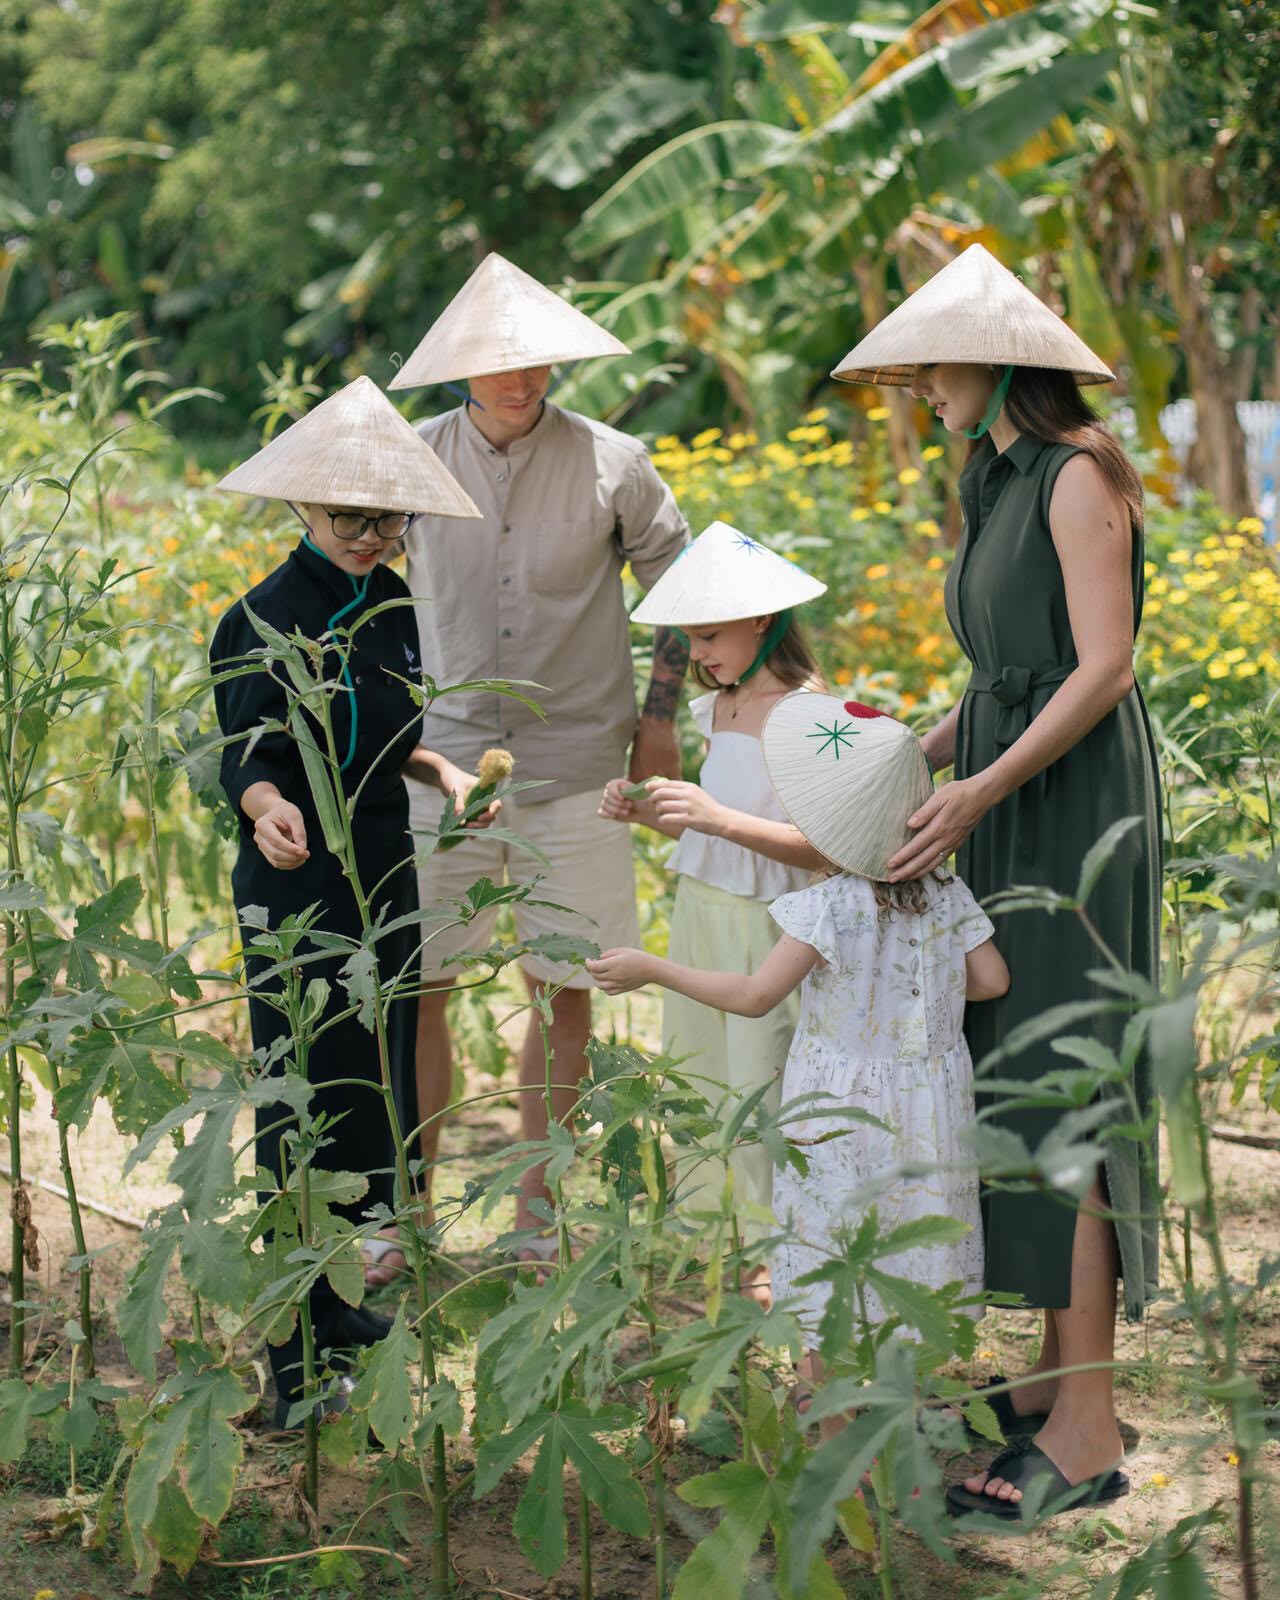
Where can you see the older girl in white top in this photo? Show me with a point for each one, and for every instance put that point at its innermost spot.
(733, 598)
(884, 971)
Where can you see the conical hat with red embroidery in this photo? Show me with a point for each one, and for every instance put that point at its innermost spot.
(974, 310)
(848, 776)
(354, 449)
(722, 576)
(502, 320)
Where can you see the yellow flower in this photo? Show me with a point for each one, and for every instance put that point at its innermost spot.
(1158, 586)
(806, 502)
(1149, 569)
(1233, 1460)
(928, 644)
(859, 514)
(1249, 525)
(1153, 608)
(706, 437)
(880, 570)
(171, 545)
(986, 1355)
(877, 413)
(882, 506)
(843, 675)
(44, 1594)
(741, 480)
(1246, 669)
(668, 441)
(1160, 1480)
(1198, 700)
(818, 414)
(909, 475)
(1179, 557)
(935, 563)
(932, 452)
(929, 528)
(1219, 669)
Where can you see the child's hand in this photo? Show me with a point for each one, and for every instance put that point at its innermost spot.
(685, 805)
(619, 971)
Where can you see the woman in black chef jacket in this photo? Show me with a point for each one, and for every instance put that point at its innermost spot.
(340, 469)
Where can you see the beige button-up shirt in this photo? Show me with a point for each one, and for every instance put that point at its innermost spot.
(535, 592)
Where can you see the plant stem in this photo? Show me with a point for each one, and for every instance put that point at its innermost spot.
(311, 1432)
(744, 1393)
(884, 1529)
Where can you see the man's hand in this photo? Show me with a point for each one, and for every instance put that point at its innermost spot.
(655, 752)
(686, 806)
(619, 971)
(281, 834)
(454, 781)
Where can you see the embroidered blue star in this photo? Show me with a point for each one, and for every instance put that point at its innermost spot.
(745, 543)
(834, 736)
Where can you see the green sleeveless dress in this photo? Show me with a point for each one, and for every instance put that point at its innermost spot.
(1007, 605)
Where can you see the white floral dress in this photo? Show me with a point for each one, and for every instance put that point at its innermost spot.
(880, 1028)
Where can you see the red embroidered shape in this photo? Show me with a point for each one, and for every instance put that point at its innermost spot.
(855, 708)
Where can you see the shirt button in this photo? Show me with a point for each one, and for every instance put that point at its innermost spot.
(359, 679)
(506, 580)
(506, 634)
(506, 527)
(501, 477)
(915, 991)
(913, 943)
(507, 734)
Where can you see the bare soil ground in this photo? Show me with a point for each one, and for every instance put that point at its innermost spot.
(1178, 1449)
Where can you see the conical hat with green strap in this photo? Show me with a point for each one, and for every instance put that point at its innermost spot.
(354, 449)
(974, 310)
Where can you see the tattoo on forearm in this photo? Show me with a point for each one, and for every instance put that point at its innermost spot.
(670, 661)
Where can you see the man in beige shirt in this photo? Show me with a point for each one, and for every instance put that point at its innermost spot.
(534, 592)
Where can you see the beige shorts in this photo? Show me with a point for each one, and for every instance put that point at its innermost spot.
(591, 873)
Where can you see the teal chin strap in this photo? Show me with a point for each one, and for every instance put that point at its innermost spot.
(770, 642)
(994, 409)
(772, 639)
(361, 589)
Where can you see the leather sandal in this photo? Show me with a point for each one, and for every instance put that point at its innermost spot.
(1046, 1491)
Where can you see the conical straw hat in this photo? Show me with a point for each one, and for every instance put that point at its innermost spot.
(722, 576)
(354, 449)
(847, 776)
(973, 310)
(502, 320)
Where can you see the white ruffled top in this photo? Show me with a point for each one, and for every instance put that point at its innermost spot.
(734, 774)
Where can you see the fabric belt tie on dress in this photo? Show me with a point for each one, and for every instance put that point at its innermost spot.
(1020, 694)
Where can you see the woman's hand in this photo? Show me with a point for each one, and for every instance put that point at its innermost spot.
(944, 822)
(685, 805)
(281, 834)
(619, 971)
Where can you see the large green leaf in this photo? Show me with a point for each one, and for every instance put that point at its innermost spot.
(383, 1389)
(141, 1313)
(670, 178)
(1025, 39)
(718, 1567)
(590, 132)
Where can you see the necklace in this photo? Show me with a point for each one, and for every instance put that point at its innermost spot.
(735, 706)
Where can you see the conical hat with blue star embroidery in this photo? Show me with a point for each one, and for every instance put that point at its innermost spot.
(723, 576)
(848, 777)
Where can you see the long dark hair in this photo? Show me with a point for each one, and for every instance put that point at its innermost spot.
(1048, 404)
(791, 661)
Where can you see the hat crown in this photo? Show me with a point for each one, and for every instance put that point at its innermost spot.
(972, 310)
(353, 449)
(503, 320)
(723, 576)
(846, 779)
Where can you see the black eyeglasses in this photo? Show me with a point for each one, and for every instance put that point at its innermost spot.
(387, 525)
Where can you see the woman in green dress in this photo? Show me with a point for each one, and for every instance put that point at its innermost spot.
(1051, 745)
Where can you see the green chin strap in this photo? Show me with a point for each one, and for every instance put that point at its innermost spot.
(994, 409)
(772, 639)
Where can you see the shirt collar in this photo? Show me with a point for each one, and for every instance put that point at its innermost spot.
(522, 446)
(318, 566)
(1021, 455)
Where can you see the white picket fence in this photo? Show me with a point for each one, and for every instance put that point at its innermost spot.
(1260, 420)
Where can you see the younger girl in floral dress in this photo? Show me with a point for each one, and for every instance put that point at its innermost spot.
(884, 972)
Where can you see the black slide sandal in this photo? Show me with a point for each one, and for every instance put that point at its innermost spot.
(1011, 1423)
(1045, 1491)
